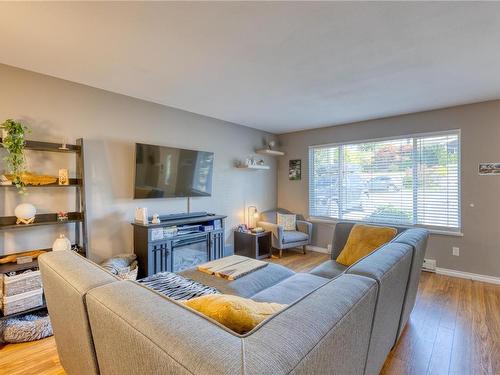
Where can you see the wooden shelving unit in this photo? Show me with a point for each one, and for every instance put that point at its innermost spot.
(78, 217)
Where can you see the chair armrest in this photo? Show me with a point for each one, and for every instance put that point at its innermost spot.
(275, 229)
(305, 227)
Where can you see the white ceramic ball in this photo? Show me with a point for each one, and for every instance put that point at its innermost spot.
(25, 211)
(62, 243)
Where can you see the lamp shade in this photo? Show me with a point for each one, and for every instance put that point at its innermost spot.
(252, 216)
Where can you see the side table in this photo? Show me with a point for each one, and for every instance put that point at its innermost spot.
(253, 245)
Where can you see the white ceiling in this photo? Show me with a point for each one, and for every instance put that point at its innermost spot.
(274, 66)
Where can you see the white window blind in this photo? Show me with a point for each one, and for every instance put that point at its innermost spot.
(413, 180)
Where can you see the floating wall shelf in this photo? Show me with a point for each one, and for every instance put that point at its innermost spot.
(266, 151)
(253, 167)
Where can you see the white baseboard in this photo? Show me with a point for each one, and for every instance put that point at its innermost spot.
(468, 275)
(318, 249)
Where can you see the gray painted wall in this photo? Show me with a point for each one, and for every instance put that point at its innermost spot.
(110, 125)
(480, 140)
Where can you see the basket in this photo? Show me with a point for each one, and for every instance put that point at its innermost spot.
(128, 274)
(21, 283)
(21, 302)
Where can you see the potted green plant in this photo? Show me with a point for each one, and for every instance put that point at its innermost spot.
(13, 133)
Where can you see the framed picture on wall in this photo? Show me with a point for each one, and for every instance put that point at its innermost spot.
(295, 169)
(489, 168)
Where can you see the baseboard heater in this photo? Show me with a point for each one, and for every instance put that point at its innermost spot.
(429, 265)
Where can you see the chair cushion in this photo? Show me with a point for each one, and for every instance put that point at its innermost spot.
(236, 313)
(290, 236)
(362, 240)
(329, 269)
(291, 289)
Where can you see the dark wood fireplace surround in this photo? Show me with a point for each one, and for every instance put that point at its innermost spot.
(159, 251)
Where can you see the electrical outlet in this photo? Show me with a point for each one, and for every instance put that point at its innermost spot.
(456, 251)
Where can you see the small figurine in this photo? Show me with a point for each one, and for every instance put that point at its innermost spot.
(156, 219)
(63, 177)
(62, 216)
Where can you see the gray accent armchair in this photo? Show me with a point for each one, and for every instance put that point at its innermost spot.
(286, 239)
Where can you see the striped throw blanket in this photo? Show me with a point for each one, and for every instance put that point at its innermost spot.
(176, 286)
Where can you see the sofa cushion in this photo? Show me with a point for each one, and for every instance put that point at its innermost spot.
(329, 269)
(326, 332)
(67, 278)
(239, 314)
(290, 236)
(417, 239)
(291, 289)
(245, 286)
(362, 240)
(389, 266)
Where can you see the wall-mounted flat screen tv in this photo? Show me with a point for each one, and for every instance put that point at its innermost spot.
(168, 172)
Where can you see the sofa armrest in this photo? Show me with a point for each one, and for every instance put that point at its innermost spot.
(139, 331)
(305, 227)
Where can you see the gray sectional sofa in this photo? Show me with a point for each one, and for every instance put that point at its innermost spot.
(343, 323)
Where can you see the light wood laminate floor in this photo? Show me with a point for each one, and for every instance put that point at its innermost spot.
(454, 329)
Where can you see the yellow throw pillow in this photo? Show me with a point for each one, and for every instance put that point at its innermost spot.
(236, 313)
(289, 221)
(362, 240)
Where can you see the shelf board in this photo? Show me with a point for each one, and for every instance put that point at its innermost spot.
(34, 309)
(266, 151)
(254, 167)
(51, 147)
(72, 182)
(14, 267)
(9, 222)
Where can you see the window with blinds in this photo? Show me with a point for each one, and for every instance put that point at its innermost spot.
(414, 180)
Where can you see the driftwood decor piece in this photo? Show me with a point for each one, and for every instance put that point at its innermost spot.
(13, 258)
(29, 178)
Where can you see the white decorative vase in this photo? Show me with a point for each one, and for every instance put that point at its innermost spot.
(62, 243)
(25, 211)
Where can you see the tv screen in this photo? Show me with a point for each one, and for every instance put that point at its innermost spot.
(167, 172)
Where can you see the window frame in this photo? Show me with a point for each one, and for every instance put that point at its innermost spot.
(433, 229)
